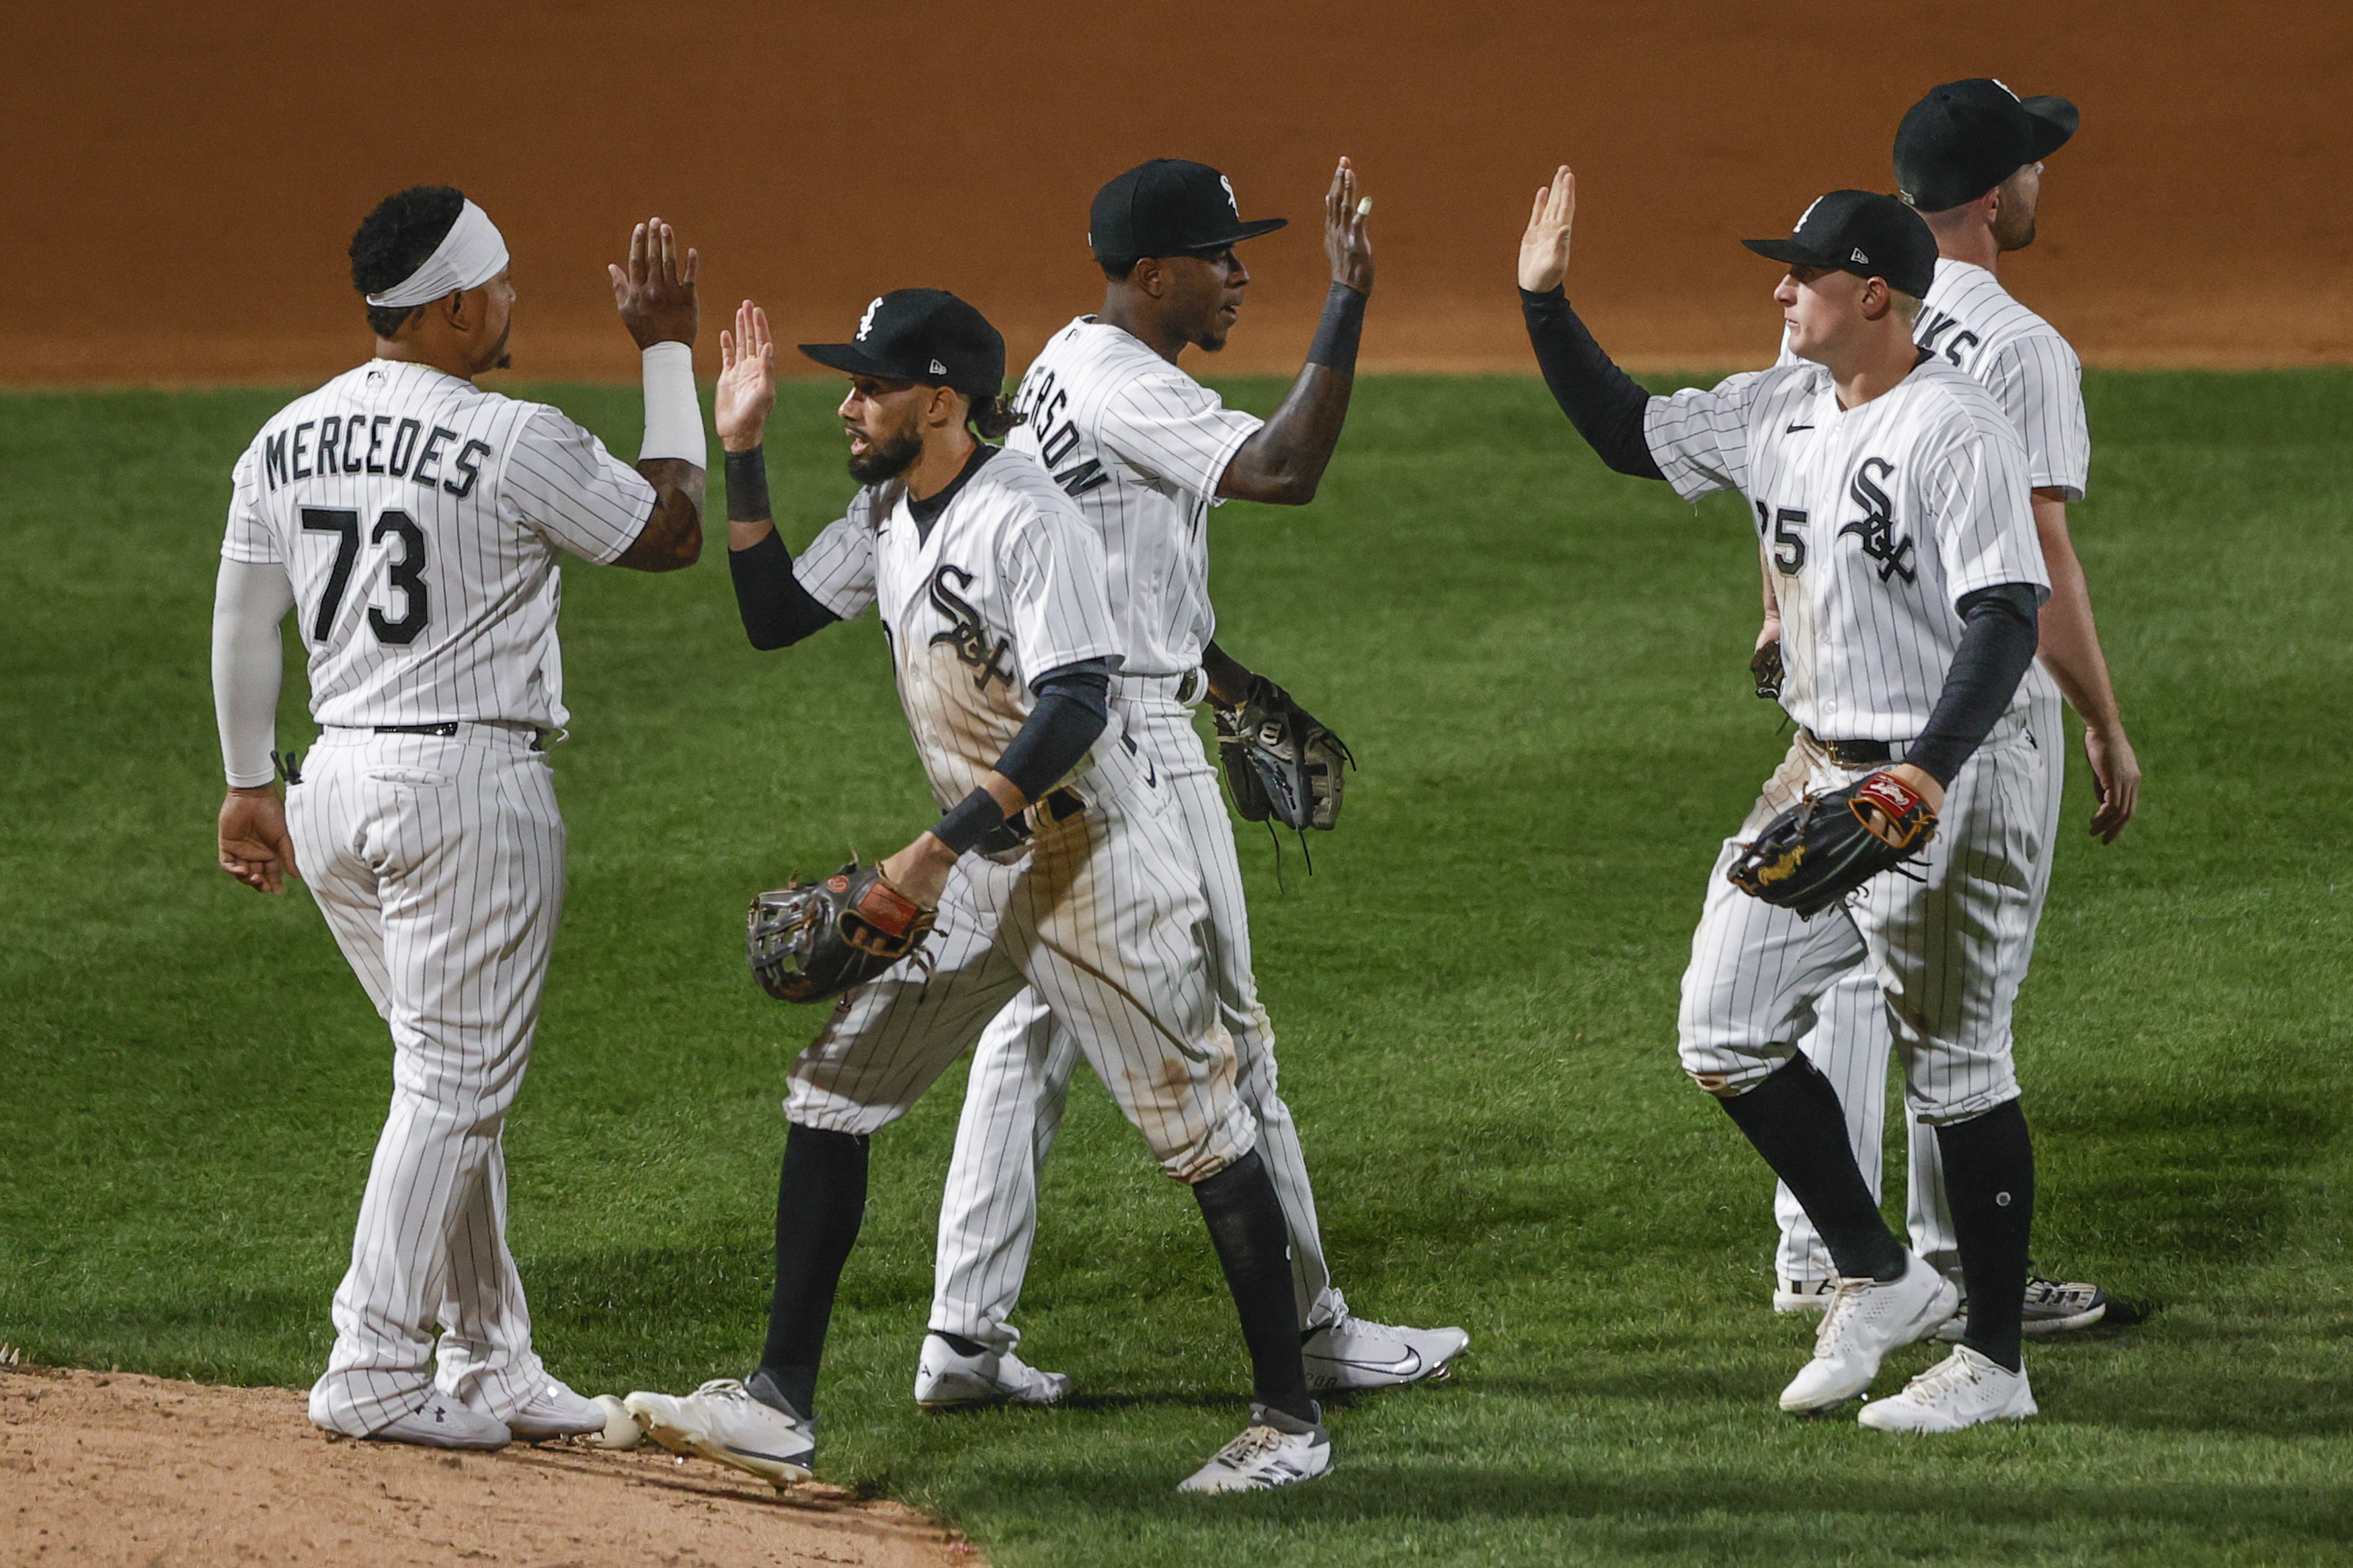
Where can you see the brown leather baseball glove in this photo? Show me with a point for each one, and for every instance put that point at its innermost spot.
(811, 941)
(1822, 848)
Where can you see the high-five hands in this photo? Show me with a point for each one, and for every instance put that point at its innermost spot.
(748, 380)
(1544, 249)
(1344, 240)
(655, 293)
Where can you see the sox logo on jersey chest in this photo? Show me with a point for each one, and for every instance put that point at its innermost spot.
(965, 632)
(1876, 526)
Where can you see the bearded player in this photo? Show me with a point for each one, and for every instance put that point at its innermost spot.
(1145, 451)
(414, 523)
(1968, 157)
(1057, 863)
(1890, 493)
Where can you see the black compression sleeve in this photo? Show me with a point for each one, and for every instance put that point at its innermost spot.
(1600, 400)
(778, 611)
(1995, 647)
(1073, 706)
(1337, 333)
(747, 487)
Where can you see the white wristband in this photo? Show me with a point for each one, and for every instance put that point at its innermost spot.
(673, 416)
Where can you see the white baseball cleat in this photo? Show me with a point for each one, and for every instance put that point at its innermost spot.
(722, 1422)
(1274, 1451)
(556, 1412)
(946, 1378)
(1352, 1354)
(1864, 1320)
(2051, 1307)
(1803, 1295)
(446, 1423)
(1962, 1390)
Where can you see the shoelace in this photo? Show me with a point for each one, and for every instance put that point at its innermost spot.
(1844, 1301)
(1254, 1443)
(727, 1388)
(1349, 1324)
(1950, 1375)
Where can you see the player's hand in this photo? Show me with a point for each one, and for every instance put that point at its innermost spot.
(1544, 249)
(1919, 779)
(1770, 632)
(920, 870)
(655, 293)
(2115, 774)
(1344, 240)
(748, 380)
(254, 847)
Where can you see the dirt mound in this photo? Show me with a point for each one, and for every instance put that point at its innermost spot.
(142, 1470)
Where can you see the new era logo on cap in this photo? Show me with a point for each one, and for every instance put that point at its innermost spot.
(938, 369)
(1859, 256)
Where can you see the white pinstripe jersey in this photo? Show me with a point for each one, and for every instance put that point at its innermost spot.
(1971, 320)
(419, 519)
(1005, 586)
(1875, 520)
(1140, 446)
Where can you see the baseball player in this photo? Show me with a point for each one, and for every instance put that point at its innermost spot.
(1968, 157)
(1146, 451)
(1890, 493)
(1059, 862)
(412, 523)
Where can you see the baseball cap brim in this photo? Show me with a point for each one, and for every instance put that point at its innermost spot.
(1242, 231)
(1791, 252)
(2054, 122)
(852, 360)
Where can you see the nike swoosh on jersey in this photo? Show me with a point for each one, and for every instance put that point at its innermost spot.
(1795, 428)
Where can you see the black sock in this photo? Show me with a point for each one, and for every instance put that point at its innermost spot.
(1796, 1121)
(821, 1204)
(958, 1344)
(1254, 1249)
(1989, 1183)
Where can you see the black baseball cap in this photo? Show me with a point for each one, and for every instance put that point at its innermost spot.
(1169, 208)
(921, 334)
(1858, 232)
(1967, 137)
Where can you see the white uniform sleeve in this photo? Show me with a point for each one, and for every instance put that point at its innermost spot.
(249, 599)
(1700, 439)
(1173, 429)
(1975, 496)
(837, 567)
(2039, 381)
(248, 538)
(562, 484)
(1052, 565)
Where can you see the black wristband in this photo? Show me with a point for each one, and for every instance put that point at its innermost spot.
(976, 816)
(1337, 333)
(747, 487)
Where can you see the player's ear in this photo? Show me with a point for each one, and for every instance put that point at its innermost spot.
(1148, 276)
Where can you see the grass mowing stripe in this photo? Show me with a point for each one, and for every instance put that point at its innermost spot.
(1544, 668)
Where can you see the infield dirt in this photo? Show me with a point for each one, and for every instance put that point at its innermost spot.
(189, 176)
(158, 1474)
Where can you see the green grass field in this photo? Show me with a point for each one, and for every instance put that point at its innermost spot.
(1542, 667)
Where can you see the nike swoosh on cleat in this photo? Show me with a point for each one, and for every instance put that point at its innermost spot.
(755, 1454)
(1405, 1365)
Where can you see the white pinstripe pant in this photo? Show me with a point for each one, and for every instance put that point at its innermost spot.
(1850, 1043)
(1947, 953)
(438, 864)
(1102, 915)
(1021, 1077)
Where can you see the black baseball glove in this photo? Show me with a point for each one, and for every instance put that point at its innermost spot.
(1822, 848)
(1280, 761)
(1764, 664)
(811, 941)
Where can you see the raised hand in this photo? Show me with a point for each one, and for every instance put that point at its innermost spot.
(748, 380)
(1544, 249)
(1344, 240)
(655, 293)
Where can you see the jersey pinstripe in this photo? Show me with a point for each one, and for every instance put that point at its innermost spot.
(420, 518)
(1004, 585)
(1972, 321)
(1875, 521)
(1140, 446)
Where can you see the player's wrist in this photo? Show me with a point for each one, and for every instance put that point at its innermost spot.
(673, 412)
(747, 484)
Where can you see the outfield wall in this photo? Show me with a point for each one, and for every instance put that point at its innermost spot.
(185, 179)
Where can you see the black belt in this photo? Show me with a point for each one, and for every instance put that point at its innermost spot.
(446, 731)
(1059, 806)
(1857, 753)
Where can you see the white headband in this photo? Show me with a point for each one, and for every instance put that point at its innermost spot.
(471, 254)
